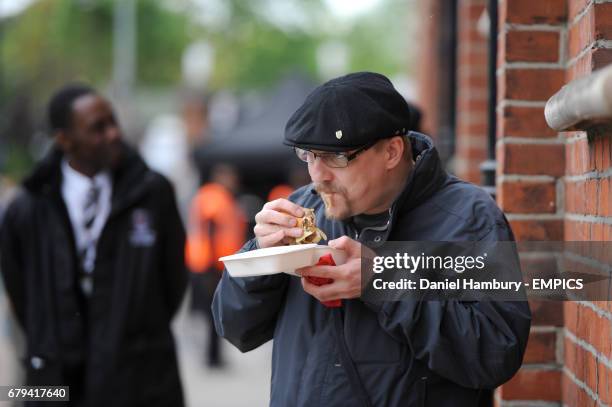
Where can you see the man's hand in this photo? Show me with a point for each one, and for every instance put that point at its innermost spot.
(347, 277)
(275, 223)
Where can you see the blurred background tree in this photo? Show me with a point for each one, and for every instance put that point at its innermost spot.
(255, 43)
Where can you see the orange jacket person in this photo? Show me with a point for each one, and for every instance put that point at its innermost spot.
(217, 228)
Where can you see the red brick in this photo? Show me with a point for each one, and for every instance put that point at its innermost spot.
(575, 7)
(581, 202)
(517, 121)
(592, 60)
(598, 143)
(594, 330)
(603, 21)
(470, 104)
(533, 384)
(577, 231)
(574, 396)
(609, 380)
(590, 368)
(477, 81)
(531, 159)
(537, 229)
(601, 57)
(470, 11)
(604, 208)
(540, 267)
(569, 196)
(541, 348)
(477, 154)
(576, 360)
(547, 313)
(592, 154)
(531, 46)
(597, 232)
(473, 128)
(569, 390)
(569, 355)
(603, 335)
(582, 33)
(475, 53)
(569, 230)
(591, 197)
(570, 316)
(604, 383)
(470, 34)
(608, 238)
(533, 12)
(527, 197)
(531, 84)
(606, 153)
(577, 157)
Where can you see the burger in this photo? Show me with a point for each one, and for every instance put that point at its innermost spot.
(310, 232)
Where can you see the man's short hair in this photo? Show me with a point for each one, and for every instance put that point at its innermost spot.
(60, 104)
(408, 153)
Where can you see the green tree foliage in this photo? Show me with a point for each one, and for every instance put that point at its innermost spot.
(56, 41)
(59, 40)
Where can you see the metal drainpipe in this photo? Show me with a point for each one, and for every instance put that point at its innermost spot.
(487, 168)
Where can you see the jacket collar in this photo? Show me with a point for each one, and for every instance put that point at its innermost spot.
(130, 178)
(427, 176)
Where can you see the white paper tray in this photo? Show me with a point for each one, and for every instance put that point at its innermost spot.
(281, 259)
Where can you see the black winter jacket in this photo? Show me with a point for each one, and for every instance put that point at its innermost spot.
(408, 353)
(118, 344)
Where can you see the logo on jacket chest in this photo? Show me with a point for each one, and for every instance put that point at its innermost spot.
(142, 233)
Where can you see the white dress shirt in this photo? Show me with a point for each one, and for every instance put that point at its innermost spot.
(75, 187)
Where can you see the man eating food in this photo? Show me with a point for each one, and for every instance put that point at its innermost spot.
(373, 180)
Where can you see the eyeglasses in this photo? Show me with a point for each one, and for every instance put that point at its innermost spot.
(333, 160)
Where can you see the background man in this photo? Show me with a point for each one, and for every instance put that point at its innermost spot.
(92, 259)
(379, 181)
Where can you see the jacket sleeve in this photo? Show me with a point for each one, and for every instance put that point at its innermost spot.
(173, 247)
(245, 309)
(11, 261)
(477, 344)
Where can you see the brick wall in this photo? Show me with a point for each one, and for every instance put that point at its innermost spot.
(531, 166)
(472, 97)
(587, 373)
(436, 71)
(552, 186)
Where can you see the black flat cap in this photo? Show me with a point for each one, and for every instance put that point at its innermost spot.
(349, 112)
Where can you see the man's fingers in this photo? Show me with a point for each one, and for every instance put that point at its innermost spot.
(282, 236)
(350, 246)
(326, 292)
(319, 271)
(284, 205)
(271, 240)
(275, 218)
(265, 229)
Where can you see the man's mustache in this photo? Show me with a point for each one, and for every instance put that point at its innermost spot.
(327, 188)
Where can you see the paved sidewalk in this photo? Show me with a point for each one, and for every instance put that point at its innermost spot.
(244, 381)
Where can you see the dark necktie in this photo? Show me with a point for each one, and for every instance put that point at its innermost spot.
(88, 252)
